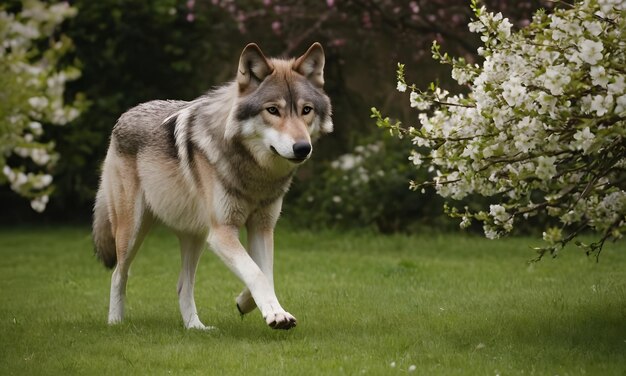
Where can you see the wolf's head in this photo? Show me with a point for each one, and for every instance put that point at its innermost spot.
(281, 107)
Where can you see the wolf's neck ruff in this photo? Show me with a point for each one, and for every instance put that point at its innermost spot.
(192, 130)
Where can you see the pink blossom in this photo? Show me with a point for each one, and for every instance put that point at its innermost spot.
(276, 26)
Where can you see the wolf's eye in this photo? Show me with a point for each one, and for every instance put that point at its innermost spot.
(273, 110)
(306, 110)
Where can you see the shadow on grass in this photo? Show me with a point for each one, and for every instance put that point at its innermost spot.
(584, 329)
(158, 327)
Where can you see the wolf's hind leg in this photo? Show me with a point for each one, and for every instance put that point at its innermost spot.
(127, 243)
(130, 222)
(128, 239)
(191, 248)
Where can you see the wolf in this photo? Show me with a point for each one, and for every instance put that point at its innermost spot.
(208, 168)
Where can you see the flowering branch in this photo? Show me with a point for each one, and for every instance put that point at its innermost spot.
(544, 120)
(32, 85)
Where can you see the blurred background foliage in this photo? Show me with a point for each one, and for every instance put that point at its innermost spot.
(132, 51)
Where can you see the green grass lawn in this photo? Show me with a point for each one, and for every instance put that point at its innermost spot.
(366, 304)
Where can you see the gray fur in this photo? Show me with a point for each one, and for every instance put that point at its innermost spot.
(136, 127)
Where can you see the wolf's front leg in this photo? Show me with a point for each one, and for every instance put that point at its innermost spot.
(261, 249)
(224, 240)
(191, 248)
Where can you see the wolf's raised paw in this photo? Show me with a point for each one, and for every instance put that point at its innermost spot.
(281, 320)
(245, 303)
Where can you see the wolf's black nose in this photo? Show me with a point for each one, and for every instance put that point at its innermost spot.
(301, 149)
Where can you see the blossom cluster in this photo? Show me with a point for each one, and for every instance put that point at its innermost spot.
(355, 163)
(33, 85)
(348, 190)
(542, 129)
(353, 172)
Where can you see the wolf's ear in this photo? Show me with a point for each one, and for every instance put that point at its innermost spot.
(311, 64)
(253, 67)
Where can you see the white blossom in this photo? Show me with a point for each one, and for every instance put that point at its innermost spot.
(345, 162)
(617, 86)
(498, 212)
(466, 222)
(620, 105)
(419, 102)
(555, 78)
(490, 232)
(476, 27)
(36, 128)
(553, 235)
(38, 103)
(504, 28)
(557, 23)
(513, 91)
(461, 75)
(583, 139)
(599, 76)
(601, 104)
(546, 168)
(593, 27)
(590, 51)
(416, 158)
(39, 203)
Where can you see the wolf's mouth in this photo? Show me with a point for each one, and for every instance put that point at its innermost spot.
(294, 160)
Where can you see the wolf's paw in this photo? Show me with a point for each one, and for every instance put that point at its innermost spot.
(198, 325)
(201, 326)
(114, 320)
(280, 320)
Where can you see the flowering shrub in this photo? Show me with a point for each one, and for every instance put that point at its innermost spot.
(31, 92)
(366, 187)
(542, 128)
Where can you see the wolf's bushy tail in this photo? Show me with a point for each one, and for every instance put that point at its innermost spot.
(102, 234)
